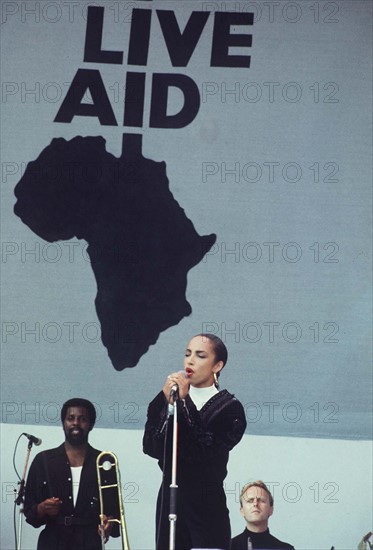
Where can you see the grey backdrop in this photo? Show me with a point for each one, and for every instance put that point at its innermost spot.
(277, 163)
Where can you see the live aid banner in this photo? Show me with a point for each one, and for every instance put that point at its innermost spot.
(172, 168)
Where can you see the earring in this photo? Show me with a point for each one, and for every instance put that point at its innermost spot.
(216, 381)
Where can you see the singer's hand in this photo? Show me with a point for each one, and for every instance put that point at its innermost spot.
(49, 507)
(180, 380)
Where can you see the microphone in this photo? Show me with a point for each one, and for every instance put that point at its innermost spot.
(35, 440)
(175, 388)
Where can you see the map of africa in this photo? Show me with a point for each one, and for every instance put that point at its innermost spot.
(140, 243)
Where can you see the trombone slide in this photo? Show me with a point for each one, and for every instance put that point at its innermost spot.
(107, 462)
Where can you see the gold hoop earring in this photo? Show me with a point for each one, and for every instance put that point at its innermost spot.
(216, 381)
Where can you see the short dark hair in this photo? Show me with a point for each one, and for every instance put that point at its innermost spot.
(80, 402)
(220, 350)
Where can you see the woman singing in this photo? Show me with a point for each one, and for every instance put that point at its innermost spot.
(210, 424)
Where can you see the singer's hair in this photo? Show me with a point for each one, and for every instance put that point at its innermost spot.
(84, 404)
(258, 483)
(220, 350)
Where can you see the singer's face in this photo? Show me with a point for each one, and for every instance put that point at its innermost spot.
(256, 508)
(76, 425)
(200, 362)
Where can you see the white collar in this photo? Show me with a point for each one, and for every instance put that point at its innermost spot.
(200, 396)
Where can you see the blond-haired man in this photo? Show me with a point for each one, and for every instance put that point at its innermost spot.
(256, 506)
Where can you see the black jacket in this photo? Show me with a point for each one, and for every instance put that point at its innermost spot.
(75, 528)
(260, 541)
(205, 438)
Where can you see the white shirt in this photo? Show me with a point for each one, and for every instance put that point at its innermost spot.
(200, 396)
(76, 472)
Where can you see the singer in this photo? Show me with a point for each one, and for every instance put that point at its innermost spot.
(62, 488)
(210, 424)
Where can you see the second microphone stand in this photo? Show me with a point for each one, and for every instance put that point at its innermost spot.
(21, 494)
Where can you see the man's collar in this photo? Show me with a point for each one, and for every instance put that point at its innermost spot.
(256, 533)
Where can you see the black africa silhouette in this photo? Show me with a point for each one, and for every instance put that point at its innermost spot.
(140, 242)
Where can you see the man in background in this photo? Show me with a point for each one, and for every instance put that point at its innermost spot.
(62, 486)
(256, 506)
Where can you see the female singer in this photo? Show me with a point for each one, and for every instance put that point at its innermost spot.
(210, 424)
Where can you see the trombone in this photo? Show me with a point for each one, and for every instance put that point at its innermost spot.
(105, 461)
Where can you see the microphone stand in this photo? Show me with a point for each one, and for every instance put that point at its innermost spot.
(21, 494)
(173, 486)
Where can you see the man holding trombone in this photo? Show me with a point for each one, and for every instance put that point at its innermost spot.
(62, 487)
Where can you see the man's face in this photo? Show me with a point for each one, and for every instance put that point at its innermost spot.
(256, 508)
(76, 425)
